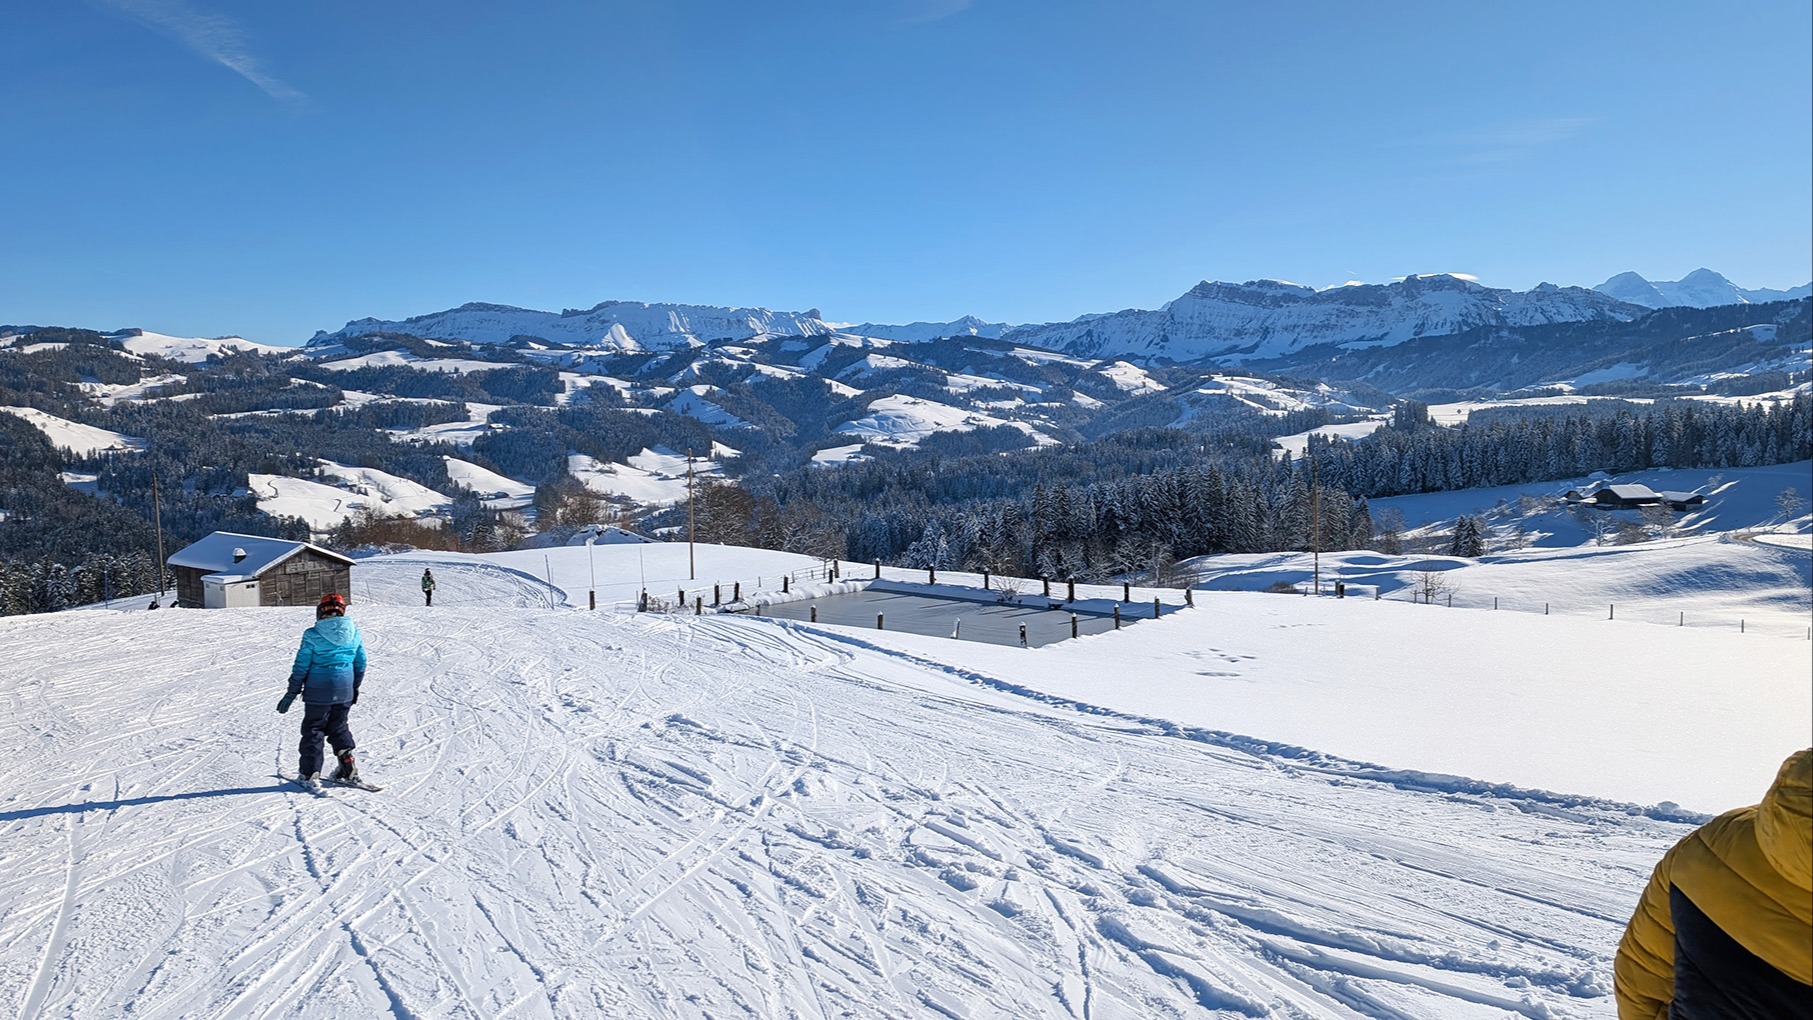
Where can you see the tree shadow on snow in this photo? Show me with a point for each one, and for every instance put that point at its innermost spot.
(110, 805)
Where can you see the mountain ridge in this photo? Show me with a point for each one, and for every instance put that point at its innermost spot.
(1701, 288)
(1213, 321)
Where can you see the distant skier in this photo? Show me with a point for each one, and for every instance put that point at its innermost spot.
(427, 587)
(329, 668)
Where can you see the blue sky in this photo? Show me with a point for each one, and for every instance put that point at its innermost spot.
(204, 167)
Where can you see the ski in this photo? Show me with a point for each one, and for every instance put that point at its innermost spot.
(313, 787)
(357, 784)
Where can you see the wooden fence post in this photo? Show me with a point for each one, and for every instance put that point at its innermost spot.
(1073, 626)
(736, 595)
(1189, 597)
(878, 625)
(1071, 597)
(784, 580)
(1126, 591)
(1117, 617)
(1155, 607)
(814, 614)
(931, 575)
(698, 605)
(985, 580)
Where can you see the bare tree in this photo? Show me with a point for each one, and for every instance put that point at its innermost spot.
(1789, 502)
(1598, 523)
(1164, 564)
(1430, 585)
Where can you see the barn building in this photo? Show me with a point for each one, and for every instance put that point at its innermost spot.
(225, 569)
(1619, 496)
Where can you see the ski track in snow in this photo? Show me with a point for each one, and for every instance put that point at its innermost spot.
(597, 815)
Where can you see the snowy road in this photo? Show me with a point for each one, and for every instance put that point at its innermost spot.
(595, 815)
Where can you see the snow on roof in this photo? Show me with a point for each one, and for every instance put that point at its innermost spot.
(1630, 490)
(216, 553)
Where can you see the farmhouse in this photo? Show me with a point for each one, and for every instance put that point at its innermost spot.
(1614, 496)
(225, 569)
(1682, 500)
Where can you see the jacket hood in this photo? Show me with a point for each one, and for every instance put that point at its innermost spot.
(337, 630)
(1784, 820)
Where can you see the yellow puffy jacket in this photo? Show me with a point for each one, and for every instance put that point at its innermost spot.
(1725, 926)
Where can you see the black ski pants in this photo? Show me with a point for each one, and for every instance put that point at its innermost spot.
(320, 721)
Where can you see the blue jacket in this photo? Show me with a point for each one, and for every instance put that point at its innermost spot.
(330, 665)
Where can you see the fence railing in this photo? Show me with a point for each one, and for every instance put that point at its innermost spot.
(1651, 611)
(1137, 601)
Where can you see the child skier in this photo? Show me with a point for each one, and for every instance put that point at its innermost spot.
(427, 587)
(329, 668)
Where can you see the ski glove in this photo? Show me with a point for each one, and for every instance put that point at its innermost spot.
(355, 700)
(284, 705)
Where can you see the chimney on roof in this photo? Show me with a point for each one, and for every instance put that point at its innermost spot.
(238, 554)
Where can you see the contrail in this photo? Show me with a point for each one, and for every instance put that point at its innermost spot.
(214, 36)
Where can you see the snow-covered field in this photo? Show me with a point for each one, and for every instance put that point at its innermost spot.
(903, 421)
(193, 350)
(650, 478)
(1737, 499)
(499, 491)
(382, 359)
(82, 440)
(324, 506)
(602, 814)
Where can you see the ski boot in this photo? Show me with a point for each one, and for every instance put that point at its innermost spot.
(348, 772)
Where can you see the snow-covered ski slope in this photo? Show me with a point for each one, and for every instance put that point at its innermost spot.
(599, 814)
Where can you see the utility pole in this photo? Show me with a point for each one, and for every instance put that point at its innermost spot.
(1315, 522)
(692, 570)
(157, 518)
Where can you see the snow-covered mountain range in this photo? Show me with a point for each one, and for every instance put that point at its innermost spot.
(623, 326)
(1701, 288)
(1225, 323)
(1272, 318)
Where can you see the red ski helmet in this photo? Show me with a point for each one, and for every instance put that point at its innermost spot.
(331, 603)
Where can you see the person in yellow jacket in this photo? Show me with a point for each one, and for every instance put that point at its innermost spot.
(1725, 927)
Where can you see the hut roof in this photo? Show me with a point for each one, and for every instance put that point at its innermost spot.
(219, 553)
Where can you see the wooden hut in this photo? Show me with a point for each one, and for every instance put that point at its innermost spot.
(225, 570)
